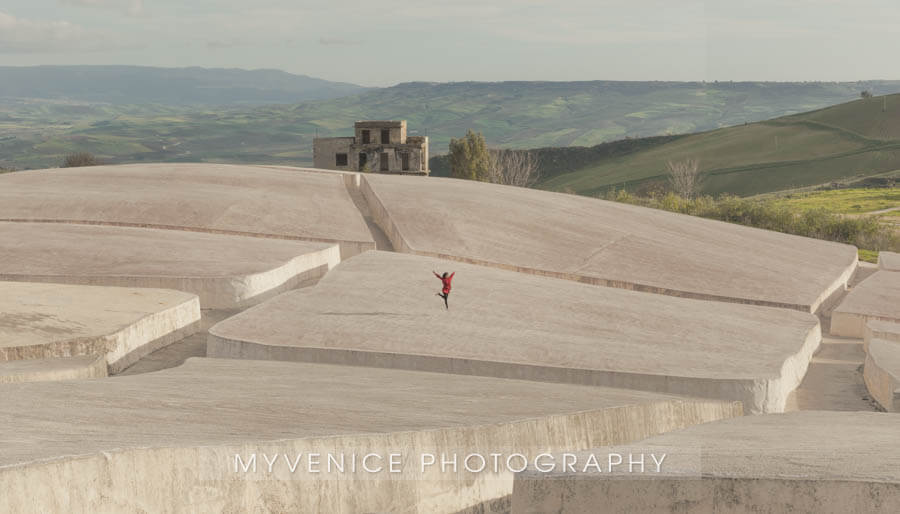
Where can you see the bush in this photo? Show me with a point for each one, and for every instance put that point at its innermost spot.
(74, 160)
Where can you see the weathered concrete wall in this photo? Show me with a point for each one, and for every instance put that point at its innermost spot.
(175, 451)
(882, 373)
(168, 480)
(822, 462)
(719, 495)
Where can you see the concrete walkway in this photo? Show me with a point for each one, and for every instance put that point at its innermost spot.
(834, 379)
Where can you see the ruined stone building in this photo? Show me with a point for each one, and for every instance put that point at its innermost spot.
(378, 146)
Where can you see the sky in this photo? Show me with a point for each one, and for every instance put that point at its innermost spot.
(385, 42)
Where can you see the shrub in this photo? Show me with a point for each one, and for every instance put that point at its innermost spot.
(74, 160)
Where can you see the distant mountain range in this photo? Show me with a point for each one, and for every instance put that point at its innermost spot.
(134, 114)
(169, 86)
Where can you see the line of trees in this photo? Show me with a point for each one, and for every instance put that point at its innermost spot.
(471, 159)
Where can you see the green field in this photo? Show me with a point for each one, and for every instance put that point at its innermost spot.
(845, 201)
(37, 134)
(854, 139)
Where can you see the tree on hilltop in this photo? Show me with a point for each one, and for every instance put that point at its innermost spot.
(469, 157)
(684, 176)
(513, 168)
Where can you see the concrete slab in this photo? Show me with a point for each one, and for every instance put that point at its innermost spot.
(814, 461)
(875, 298)
(237, 200)
(40, 321)
(882, 373)
(606, 243)
(166, 441)
(380, 309)
(226, 272)
(886, 330)
(59, 368)
(889, 261)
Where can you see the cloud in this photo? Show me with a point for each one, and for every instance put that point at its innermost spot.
(129, 7)
(19, 35)
(328, 41)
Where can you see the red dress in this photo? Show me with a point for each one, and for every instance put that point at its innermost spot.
(446, 282)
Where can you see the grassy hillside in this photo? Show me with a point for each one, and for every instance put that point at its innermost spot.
(510, 114)
(845, 201)
(861, 137)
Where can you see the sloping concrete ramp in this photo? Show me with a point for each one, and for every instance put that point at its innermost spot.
(45, 321)
(215, 198)
(380, 309)
(813, 461)
(606, 243)
(875, 298)
(167, 441)
(225, 271)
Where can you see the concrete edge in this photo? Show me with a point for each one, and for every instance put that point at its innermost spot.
(214, 292)
(760, 395)
(95, 368)
(158, 479)
(707, 494)
(881, 373)
(793, 371)
(124, 346)
(878, 331)
(349, 248)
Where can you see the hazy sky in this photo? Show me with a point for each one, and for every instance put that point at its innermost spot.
(383, 42)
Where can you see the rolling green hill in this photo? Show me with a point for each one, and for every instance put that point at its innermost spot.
(857, 138)
(38, 133)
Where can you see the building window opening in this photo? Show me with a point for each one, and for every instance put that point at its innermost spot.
(340, 159)
(365, 137)
(386, 137)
